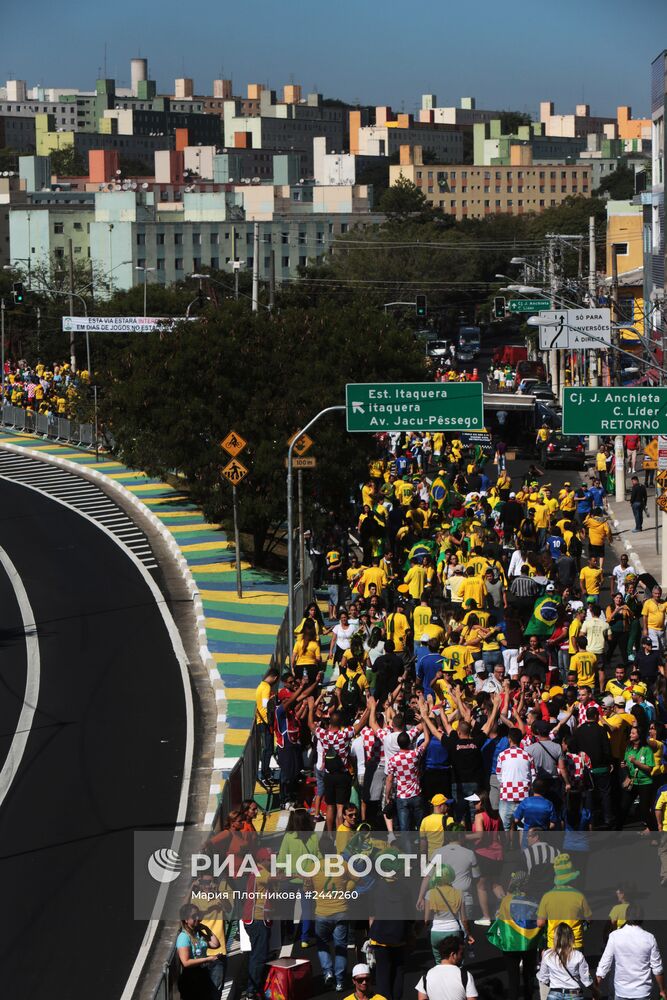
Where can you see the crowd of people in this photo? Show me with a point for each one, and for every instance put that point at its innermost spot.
(42, 389)
(484, 679)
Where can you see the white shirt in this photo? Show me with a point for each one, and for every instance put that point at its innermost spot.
(552, 973)
(595, 629)
(635, 955)
(445, 983)
(619, 574)
(357, 748)
(344, 635)
(516, 562)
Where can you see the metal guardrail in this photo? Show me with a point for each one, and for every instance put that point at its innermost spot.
(241, 780)
(49, 426)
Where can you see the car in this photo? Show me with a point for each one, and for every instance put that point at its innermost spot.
(566, 449)
(542, 390)
(437, 348)
(466, 353)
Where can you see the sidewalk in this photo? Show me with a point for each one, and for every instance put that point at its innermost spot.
(640, 546)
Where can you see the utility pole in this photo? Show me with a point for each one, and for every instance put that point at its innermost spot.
(2, 338)
(72, 342)
(553, 355)
(619, 452)
(255, 268)
(593, 443)
(272, 278)
(39, 329)
(302, 554)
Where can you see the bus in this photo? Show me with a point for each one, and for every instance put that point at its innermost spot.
(470, 337)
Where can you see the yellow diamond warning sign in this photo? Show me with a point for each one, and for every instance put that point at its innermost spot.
(234, 471)
(233, 443)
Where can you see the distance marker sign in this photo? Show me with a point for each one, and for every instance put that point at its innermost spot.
(609, 410)
(414, 406)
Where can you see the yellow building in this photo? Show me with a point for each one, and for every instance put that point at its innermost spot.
(624, 232)
(473, 192)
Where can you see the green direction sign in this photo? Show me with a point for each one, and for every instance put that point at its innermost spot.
(608, 410)
(528, 305)
(414, 406)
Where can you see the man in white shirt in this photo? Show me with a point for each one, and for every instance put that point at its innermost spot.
(635, 955)
(619, 573)
(448, 981)
(595, 629)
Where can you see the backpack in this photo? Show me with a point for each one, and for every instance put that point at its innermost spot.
(271, 712)
(350, 694)
(333, 763)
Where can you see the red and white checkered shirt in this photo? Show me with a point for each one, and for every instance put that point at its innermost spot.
(582, 709)
(515, 770)
(339, 739)
(404, 765)
(373, 747)
(576, 764)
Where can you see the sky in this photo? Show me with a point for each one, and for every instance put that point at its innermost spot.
(509, 54)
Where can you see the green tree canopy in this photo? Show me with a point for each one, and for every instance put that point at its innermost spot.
(68, 163)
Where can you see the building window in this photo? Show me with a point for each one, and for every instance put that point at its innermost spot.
(214, 239)
(285, 261)
(178, 239)
(159, 239)
(141, 239)
(541, 202)
(487, 203)
(215, 263)
(77, 249)
(160, 265)
(196, 263)
(59, 252)
(497, 202)
(419, 175)
(58, 227)
(178, 263)
(78, 226)
(196, 239)
(141, 262)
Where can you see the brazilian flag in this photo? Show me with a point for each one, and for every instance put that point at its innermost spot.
(545, 615)
(516, 928)
(439, 491)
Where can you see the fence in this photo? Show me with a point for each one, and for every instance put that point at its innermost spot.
(241, 780)
(47, 426)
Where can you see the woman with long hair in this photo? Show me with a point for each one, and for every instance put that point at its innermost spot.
(637, 775)
(313, 612)
(307, 654)
(192, 944)
(564, 969)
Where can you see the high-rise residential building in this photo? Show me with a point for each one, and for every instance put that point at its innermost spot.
(653, 200)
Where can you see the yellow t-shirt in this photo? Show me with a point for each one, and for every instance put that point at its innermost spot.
(584, 663)
(572, 633)
(348, 675)
(543, 434)
(480, 564)
(566, 499)
(493, 643)
(460, 657)
(617, 914)
(397, 627)
(415, 579)
(591, 580)
(482, 617)
(601, 462)
(473, 588)
(262, 695)
(661, 804)
(421, 617)
(376, 575)
(654, 612)
(619, 733)
(443, 693)
(433, 827)
(433, 632)
(541, 515)
(598, 531)
(367, 496)
(308, 656)
(564, 906)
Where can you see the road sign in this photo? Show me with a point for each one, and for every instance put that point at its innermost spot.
(661, 478)
(302, 445)
(662, 502)
(234, 471)
(575, 329)
(303, 462)
(662, 451)
(627, 410)
(233, 443)
(528, 305)
(412, 406)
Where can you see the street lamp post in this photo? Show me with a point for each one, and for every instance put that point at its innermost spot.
(138, 267)
(2, 338)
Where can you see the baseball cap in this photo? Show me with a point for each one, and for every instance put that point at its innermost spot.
(424, 637)
(512, 496)
(441, 800)
(639, 689)
(361, 970)
(619, 701)
(470, 679)
(567, 483)
(646, 641)
(607, 701)
(550, 588)
(472, 798)
(592, 599)
(480, 668)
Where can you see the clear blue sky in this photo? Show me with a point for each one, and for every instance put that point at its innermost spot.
(507, 53)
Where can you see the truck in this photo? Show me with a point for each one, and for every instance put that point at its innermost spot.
(470, 337)
(510, 354)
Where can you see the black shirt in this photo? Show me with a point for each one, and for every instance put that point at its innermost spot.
(566, 571)
(638, 494)
(388, 668)
(594, 741)
(465, 754)
(647, 664)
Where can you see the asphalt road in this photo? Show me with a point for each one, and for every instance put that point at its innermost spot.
(104, 755)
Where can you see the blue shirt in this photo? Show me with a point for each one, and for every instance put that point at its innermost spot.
(584, 504)
(535, 811)
(197, 948)
(436, 756)
(427, 668)
(492, 750)
(556, 545)
(596, 493)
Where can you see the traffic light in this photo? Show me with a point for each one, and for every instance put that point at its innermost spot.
(420, 306)
(499, 307)
(17, 292)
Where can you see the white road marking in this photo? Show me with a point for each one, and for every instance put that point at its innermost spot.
(33, 672)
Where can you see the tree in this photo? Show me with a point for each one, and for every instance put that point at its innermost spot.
(618, 185)
(510, 121)
(68, 163)
(265, 376)
(403, 200)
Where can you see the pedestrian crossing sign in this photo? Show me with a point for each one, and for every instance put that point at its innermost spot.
(234, 471)
(233, 443)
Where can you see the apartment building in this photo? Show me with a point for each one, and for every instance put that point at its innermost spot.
(653, 201)
(467, 191)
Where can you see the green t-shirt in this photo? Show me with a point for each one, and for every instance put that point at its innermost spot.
(645, 756)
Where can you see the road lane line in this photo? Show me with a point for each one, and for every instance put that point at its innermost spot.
(33, 671)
